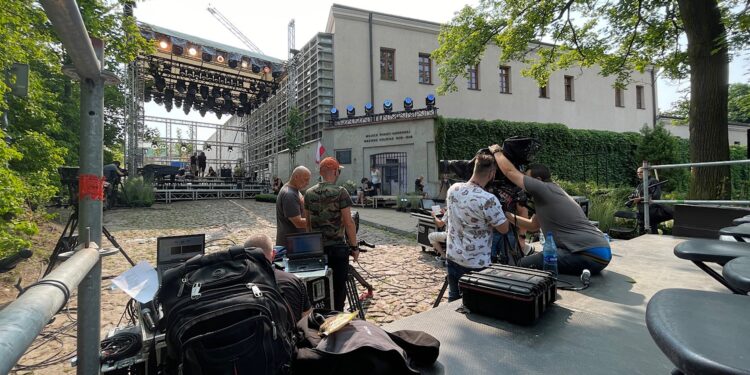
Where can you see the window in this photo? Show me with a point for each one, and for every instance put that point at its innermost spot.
(619, 102)
(388, 64)
(569, 88)
(639, 97)
(344, 156)
(505, 80)
(474, 77)
(544, 91)
(425, 68)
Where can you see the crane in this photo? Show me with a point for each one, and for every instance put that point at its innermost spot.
(233, 29)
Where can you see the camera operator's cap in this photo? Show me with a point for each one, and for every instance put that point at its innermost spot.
(330, 164)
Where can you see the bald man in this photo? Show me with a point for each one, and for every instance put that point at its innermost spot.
(290, 213)
(292, 288)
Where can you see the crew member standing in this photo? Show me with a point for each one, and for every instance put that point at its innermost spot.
(290, 216)
(202, 163)
(328, 210)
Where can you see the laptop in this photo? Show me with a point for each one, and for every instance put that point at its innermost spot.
(304, 252)
(175, 250)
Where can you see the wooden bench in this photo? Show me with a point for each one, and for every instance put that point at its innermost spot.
(383, 200)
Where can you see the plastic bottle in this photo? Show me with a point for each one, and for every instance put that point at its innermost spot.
(549, 251)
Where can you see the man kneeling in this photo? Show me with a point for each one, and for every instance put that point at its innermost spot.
(580, 244)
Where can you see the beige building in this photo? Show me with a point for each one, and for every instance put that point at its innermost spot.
(368, 57)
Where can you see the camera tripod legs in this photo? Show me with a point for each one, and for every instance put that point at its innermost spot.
(442, 293)
(355, 302)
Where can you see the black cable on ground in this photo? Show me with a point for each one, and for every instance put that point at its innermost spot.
(119, 346)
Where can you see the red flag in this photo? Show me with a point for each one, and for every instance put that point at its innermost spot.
(319, 153)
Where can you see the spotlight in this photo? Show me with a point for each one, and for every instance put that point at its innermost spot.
(160, 83)
(167, 69)
(233, 63)
(192, 51)
(256, 69)
(147, 96)
(178, 102)
(408, 104)
(220, 58)
(207, 57)
(210, 101)
(154, 145)
(240, 112)
(227, 94)
(429, 101)
(186, 109)
(244, 64)
(276, 74)
(350, 111)
(229, 148)
(177, 50)
(334, 114)
(183, 148)
(218, 115)
(368, 109)
(168, 94)
(207, 147)
(215, 92)
(168, 105)
(163, 44)
(202, 111)
(204, 91)
(158, 98)
(387, 106)
(192, 88)
(243, 98)
(180, 86)
(266, 69)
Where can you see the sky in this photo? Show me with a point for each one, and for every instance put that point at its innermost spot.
(265, 24)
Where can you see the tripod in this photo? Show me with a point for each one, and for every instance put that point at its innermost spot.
(69, 240)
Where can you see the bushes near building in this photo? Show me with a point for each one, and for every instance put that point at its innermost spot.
(266, 198)
(138, 192)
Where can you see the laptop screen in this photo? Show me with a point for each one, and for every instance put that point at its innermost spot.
(300, 245)
(177, 249)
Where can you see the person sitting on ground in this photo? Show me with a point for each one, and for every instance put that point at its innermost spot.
(277, 184)
(211, 172)
(290, 211)
(657, 213)
(474, 214)
(437, 238)
(364, 190)
(292, 287)
(580, 244)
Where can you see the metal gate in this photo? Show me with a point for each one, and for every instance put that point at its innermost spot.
(392, 167)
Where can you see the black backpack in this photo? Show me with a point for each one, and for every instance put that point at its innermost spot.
(224, 314)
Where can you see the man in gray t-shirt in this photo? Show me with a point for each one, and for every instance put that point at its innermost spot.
(580, 245)
(290, 215)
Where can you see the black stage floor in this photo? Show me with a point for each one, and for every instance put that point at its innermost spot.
(601, 330)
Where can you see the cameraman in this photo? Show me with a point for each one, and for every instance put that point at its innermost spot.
(580, 245)
(474, 215)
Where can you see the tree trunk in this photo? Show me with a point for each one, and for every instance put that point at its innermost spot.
(709, 82)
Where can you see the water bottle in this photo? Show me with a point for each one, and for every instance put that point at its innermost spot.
(549, 251)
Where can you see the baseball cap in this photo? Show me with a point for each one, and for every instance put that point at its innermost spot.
(330, 163)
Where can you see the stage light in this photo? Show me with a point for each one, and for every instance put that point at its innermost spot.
(183, 148)
(168, 105)
(244, 64)
(177, 50)
(368, 109)
(207, 147)
(266, 69)
(334, 114)
(202, 111)
(226, 94)
(204, 91)
(158, 98)
(240, 112)
(408, 104)
(186, 109)
(180, 86)
(178, 102)
(243, 98)
(387, 106)
(167, 68)
(192, 88)
(154, 145)
(350, 111)
(215, 92)
(147, 96)
(163, 44)
(207, 57)
(229, 148)
(160, 83)
(192, 51)
(218, 115)
(220, 58)
(210, 101)
(168, 94)
(429, 101)
(256, 68)
(276, 74)
(233, 63)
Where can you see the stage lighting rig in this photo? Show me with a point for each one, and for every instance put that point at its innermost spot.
(369, 110)
(350, 111)
(387, 106)
(177, 50)
(168, 94)
(204, 91)
(186, 109)
(255, 69)
(233, 63)
(226, 94)
(230, 148)
(244, 64)
(192, 88)
(192, 51)
(183, 148)
(408, 104)
(178, 102)
(334, 114)
(163, 44)
(243, 98)
(215, 92)
(202, 111)
(218, 115)
(429, 101)
(207, 57)
(160, 83)
(180, 86)
(207, 147)
(154, 145)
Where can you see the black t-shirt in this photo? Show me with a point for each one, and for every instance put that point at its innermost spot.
(419, 186)
(294, 292)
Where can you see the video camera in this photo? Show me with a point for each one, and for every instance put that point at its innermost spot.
(519, 150)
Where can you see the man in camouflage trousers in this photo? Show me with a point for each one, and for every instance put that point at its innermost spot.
(328, 210)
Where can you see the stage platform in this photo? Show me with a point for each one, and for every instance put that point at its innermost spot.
(199, 193)
(601, 330)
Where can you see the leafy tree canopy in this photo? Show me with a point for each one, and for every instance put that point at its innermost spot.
(738, 105)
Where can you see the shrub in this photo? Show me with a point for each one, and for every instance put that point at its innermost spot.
(603, 201)
(266, 198)
(137, 192)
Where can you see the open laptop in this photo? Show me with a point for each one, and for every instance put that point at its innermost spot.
(304, 252)
(173, 251)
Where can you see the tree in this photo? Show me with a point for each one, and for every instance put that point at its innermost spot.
(738, 104)
(618, 37)
(293, 134)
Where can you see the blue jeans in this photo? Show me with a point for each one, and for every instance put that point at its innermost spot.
(498, 245)
(455, 271)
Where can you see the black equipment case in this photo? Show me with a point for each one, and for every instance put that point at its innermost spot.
(518, 295)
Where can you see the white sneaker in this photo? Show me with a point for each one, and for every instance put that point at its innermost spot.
(528, 249)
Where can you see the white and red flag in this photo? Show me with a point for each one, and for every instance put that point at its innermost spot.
(319, 153)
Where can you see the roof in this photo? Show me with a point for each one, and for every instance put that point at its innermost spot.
(209, 43)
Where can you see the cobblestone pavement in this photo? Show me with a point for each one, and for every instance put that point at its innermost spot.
(406, 280)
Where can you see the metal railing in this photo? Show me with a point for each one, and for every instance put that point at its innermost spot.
(647, 198)
(23, 320)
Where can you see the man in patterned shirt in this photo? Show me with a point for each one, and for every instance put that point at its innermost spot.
(328, 210)
(474, 214)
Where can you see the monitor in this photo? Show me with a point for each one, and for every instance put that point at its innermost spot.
(300, 245)
(177, 249)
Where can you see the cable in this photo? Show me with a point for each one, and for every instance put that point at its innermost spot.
(119, 346)
(380, 279)
(57, 284)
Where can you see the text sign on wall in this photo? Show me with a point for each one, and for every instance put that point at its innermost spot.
(388, 136)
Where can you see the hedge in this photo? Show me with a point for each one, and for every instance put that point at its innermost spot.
(604, 157)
